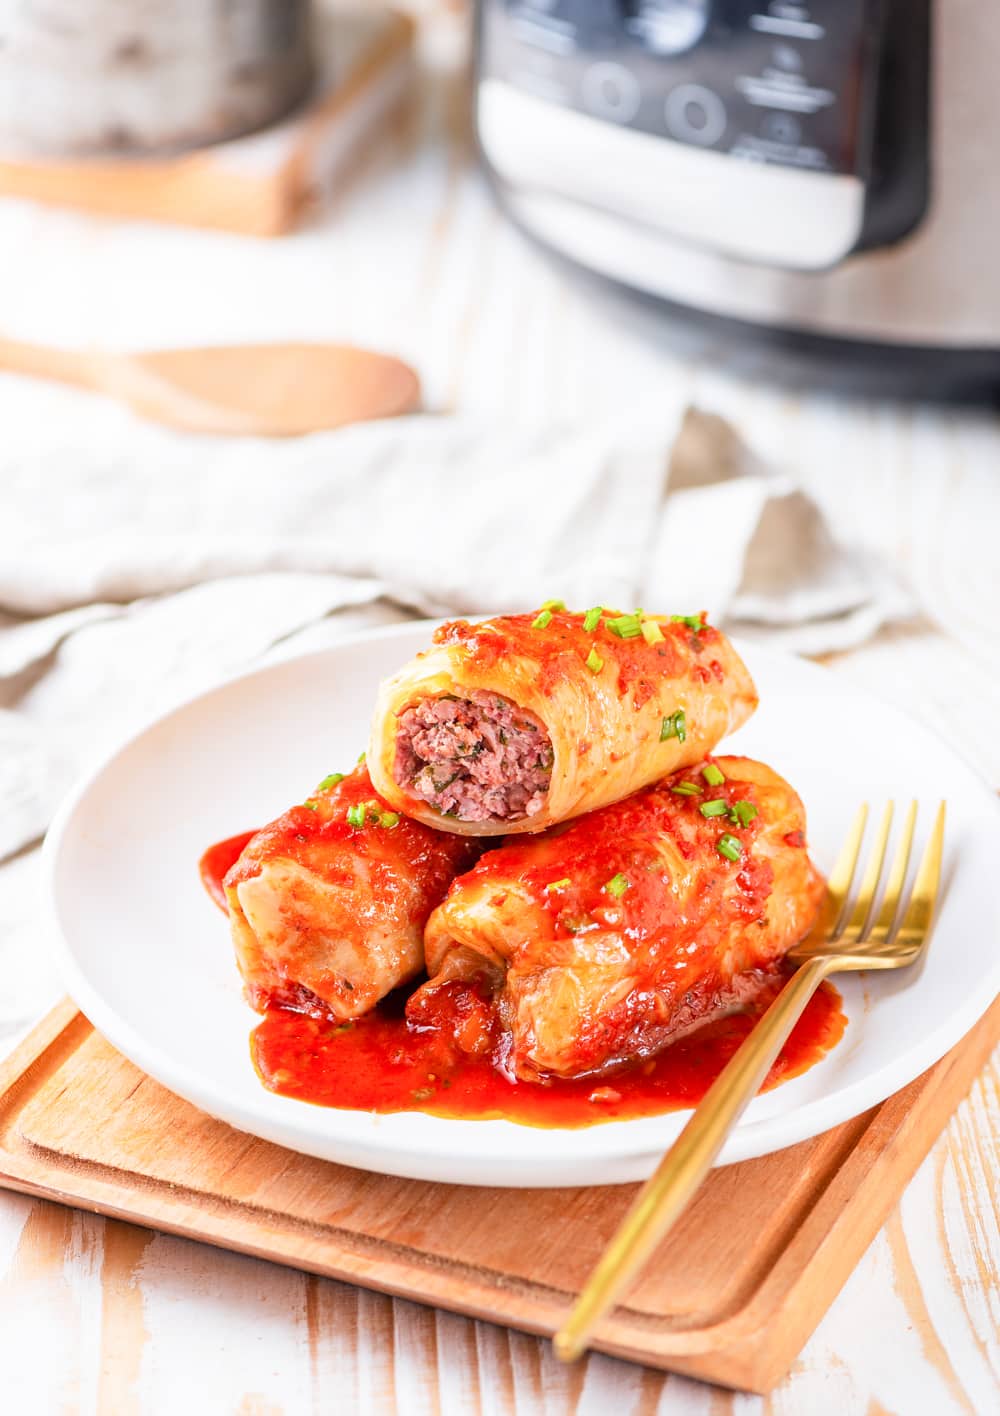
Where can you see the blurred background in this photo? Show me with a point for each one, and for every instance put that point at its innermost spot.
(799, 192)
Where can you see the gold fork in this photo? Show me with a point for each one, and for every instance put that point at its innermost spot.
(842, 939)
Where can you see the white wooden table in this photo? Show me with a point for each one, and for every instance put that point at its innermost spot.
(101, 1317)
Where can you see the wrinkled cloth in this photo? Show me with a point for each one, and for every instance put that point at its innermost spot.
(137, 565)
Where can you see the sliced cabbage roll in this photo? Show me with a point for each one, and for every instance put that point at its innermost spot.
(518, 723)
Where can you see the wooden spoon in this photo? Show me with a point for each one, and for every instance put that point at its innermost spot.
(260, 390)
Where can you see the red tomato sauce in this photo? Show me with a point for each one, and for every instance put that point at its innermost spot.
(215, 863)
(559, 649)
(580, 856)
(381, 1063)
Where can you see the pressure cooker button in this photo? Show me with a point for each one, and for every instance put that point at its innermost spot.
(781, 128)
(611, 91)
(667, 26)
(695, 115)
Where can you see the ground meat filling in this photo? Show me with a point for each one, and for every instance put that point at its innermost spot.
(477, 758)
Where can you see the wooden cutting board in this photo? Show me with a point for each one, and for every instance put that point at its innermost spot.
(734, 1294)
(261, 184)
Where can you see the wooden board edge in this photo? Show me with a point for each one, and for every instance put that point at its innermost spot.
(391, 46)
(789, 1304)
(410, 1275)
(34, 1047)
(732, 1353)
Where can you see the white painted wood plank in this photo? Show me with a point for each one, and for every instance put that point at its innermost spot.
(204, 1330)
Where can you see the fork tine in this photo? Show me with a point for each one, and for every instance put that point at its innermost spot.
(915, 925)
(854, 927)
(838, 886)
(882, 927)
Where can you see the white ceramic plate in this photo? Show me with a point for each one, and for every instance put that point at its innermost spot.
(147, 956)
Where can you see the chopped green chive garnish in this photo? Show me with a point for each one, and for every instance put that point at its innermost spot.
(594, 662)
(686, 789)
(743, 812)
(361, 758)
(651, 632)
(554, 605)
(714, 808)
(543, 620)
(593, 618)
(674, 726)
(693, 622)
(712, 775)
(371, 811)
(626, 626)
(729, 847)
(310, 806)
(330, 781)
(617, 885)
(558, 884)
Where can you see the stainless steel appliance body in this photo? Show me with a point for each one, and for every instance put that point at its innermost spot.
(818, 180)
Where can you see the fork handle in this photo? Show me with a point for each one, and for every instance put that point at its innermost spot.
(666, 1193)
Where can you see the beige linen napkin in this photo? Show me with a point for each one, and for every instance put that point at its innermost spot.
(136, 565)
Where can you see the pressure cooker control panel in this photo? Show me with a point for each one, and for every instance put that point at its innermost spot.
(775, 83)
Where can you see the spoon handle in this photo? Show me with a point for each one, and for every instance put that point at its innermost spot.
(62, 365)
